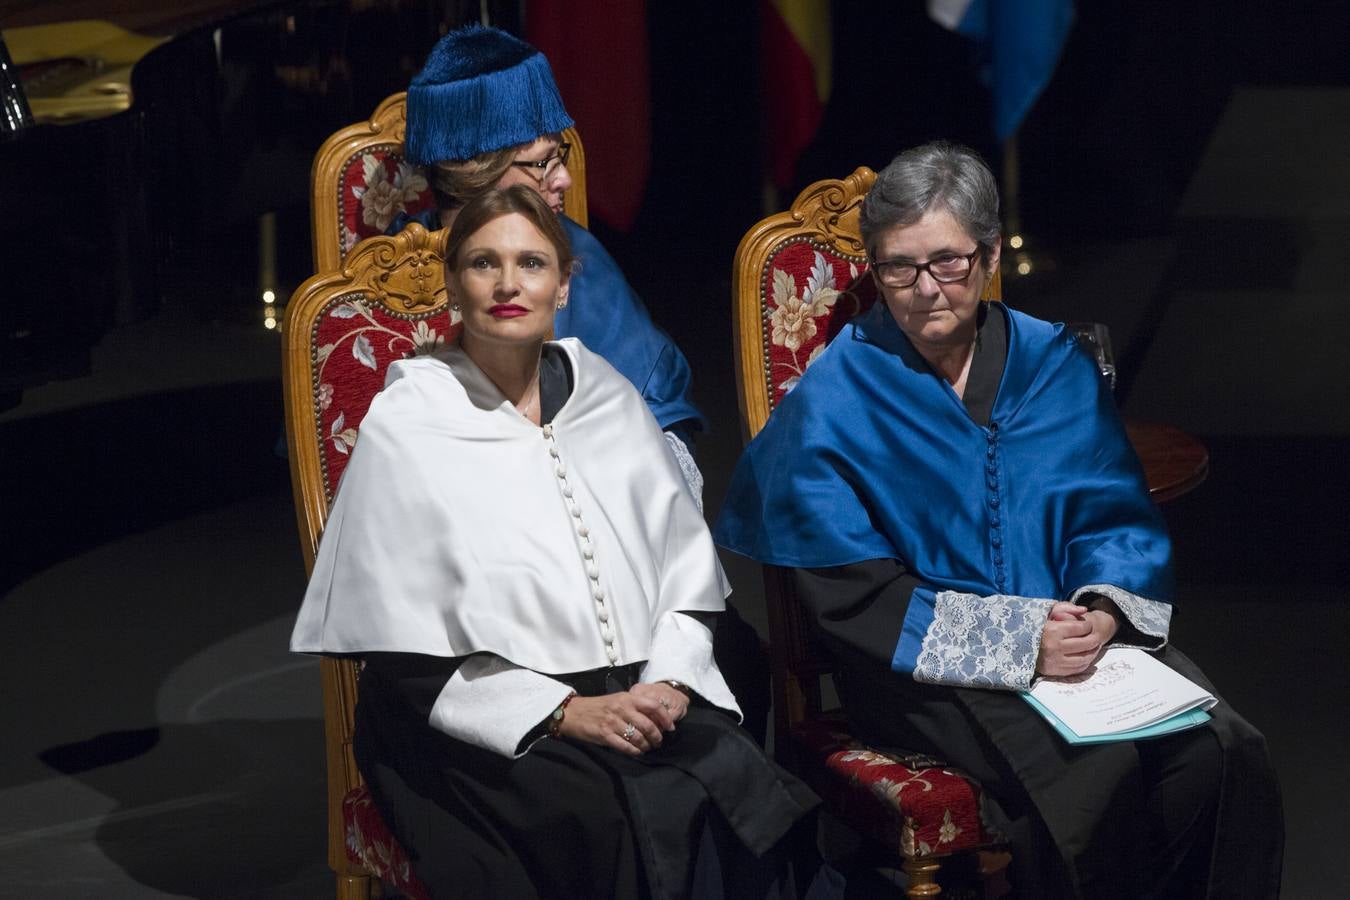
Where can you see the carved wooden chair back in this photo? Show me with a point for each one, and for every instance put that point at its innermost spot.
(799, 276)
(360, 182)
(342, 329)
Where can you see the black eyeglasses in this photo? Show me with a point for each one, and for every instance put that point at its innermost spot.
(946, 269)
(540, 169)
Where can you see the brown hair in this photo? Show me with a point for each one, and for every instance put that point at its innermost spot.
(498, 202)
(457, 181)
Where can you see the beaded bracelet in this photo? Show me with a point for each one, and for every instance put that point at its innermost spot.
(555, 719)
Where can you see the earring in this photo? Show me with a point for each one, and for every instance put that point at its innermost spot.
(455, 307)
(562, 304)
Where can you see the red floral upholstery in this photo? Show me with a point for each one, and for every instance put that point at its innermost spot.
(376, 185)
(355, 340)
(369, 844)
(913, 803)
(810, 293)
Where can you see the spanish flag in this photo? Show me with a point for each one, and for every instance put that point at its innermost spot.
(795, 57)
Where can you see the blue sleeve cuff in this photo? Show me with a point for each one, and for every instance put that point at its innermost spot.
(918, 620)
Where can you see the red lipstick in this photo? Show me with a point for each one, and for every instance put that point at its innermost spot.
(507, 311)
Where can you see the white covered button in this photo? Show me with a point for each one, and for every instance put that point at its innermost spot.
(593, 571)
(548, 430)
(603, 614)
(567, 492)
(583, 530)
(598, 595)
(588, 553)
(574, 510)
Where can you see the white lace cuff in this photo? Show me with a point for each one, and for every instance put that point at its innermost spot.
(693, 478)
(982, 642)
(1151, 618)
(492, 703)
(682, 650)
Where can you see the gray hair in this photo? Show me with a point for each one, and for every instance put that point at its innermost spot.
(933, 175)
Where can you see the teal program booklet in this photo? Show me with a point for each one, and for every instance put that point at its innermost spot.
(1127, 695)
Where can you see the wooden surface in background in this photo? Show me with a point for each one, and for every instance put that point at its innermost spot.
(1174, 462)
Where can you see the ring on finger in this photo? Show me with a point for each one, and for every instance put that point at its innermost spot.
(628, 732)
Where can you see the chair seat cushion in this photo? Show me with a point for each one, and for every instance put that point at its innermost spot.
(370, 845)
(908, 801)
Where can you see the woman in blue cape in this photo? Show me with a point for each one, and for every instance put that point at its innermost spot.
(959, 508)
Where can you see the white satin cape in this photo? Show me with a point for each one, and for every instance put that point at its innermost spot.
(450, 534)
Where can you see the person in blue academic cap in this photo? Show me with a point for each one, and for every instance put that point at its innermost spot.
(484, 112)
(953, 495)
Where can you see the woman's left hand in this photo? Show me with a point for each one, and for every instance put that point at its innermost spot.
(667, 703)
(1104, 625)
(1073, 639)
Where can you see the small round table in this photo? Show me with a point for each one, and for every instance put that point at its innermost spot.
(1174, 462)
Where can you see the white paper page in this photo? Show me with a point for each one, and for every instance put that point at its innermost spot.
(1126, 689)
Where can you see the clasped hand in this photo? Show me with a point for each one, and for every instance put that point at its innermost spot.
(651, 709)
(1073, 638)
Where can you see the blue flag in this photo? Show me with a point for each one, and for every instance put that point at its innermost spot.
(1018, 44)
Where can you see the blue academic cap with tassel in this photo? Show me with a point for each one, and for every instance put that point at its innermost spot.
(480, 90)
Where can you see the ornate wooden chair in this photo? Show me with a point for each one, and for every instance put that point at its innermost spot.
(360, 182)
(798, 277)
(342, 330)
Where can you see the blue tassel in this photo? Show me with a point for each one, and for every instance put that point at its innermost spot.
(480, 90)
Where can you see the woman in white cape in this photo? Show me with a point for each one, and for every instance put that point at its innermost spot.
(515, 556)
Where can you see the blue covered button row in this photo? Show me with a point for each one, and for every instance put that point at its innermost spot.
(995, 520)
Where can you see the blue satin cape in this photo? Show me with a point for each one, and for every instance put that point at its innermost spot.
(873, 456)
(607, 316)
